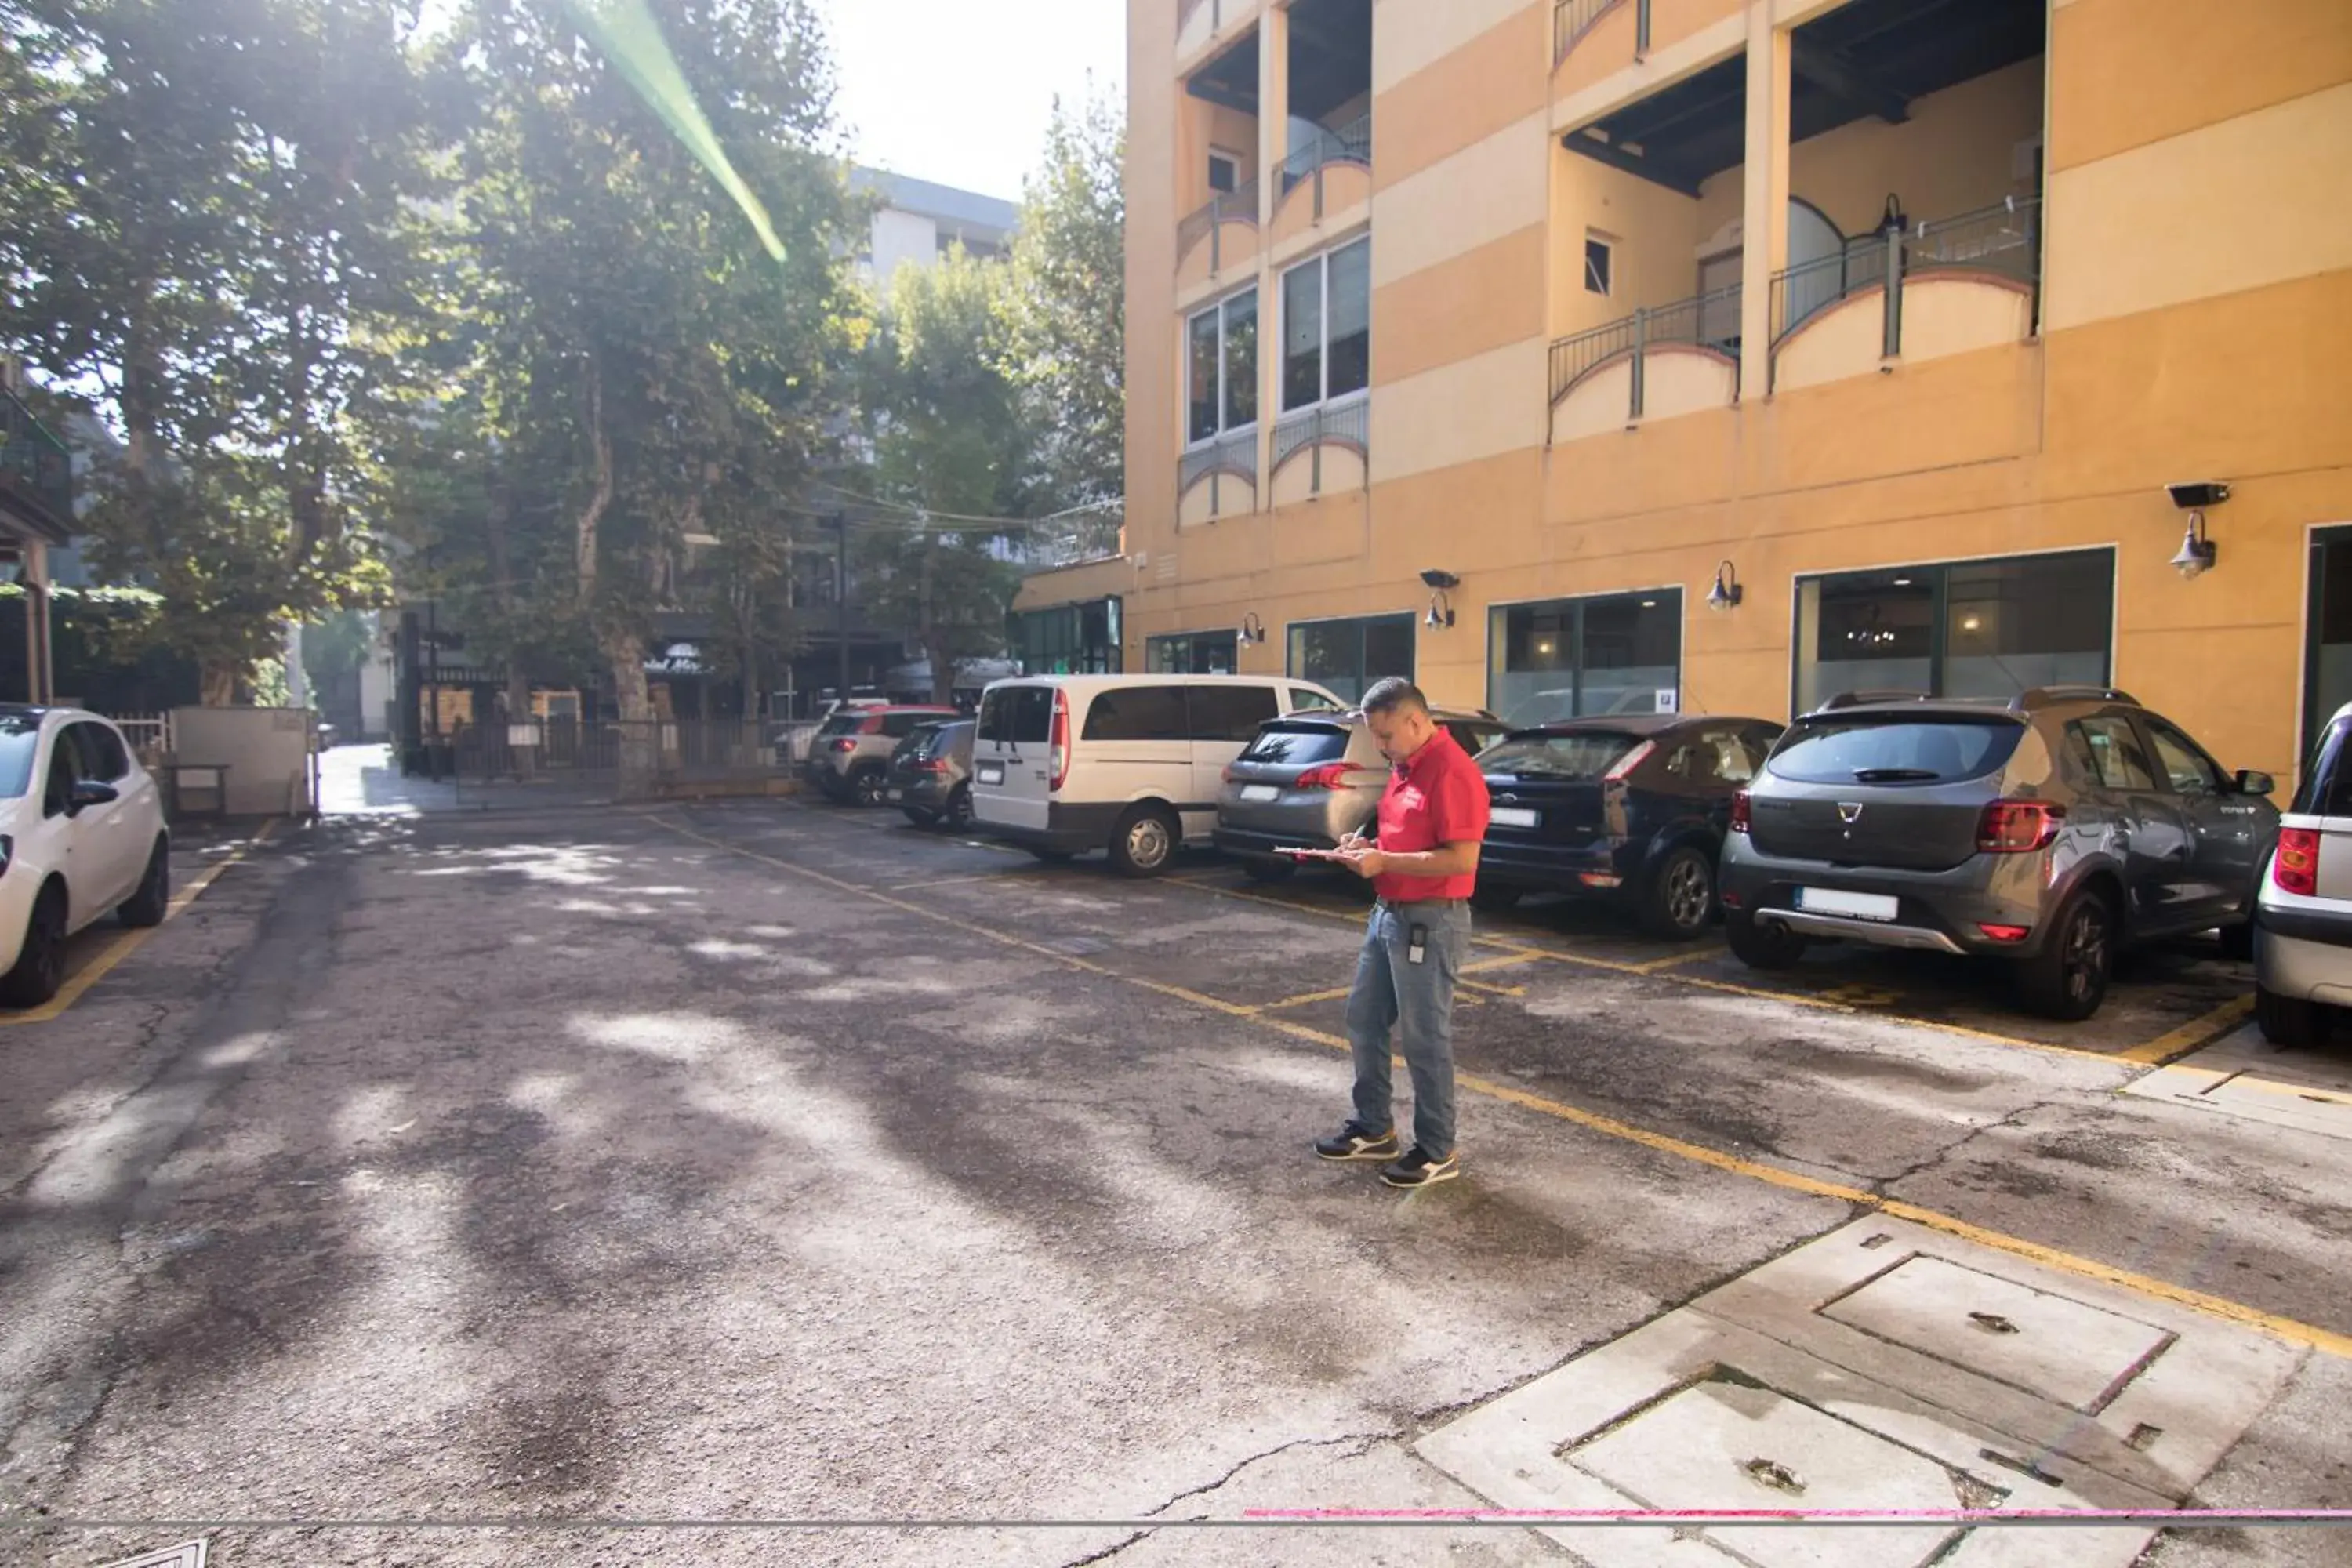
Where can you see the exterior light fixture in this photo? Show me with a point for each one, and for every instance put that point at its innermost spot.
(2197, 553)
(1250, 630)
(1440, 607)
(1725, 593)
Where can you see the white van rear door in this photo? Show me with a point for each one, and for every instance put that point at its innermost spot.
(1225, 721)
(1011, 755)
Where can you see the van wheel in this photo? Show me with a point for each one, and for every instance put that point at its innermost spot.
(1680, 899)
(2289, 1021)
(1761, 944)
(1260, 868)
(2068, 978)
(1144, 841)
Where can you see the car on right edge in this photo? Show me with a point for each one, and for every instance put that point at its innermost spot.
(2302, 926)
(2049, 831)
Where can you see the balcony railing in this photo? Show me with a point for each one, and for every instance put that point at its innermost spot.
(1233, 452)
(1236, 206)
(1571, 19)
(1185, 10)
(34, 462)
(1709, 320)
(1350, 143)
(1343, 424)
(2003, 240)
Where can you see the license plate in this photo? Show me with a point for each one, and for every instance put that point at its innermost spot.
(1260, 792)
(897, 796)
(1860, 906)
(1513, 816)
(992, 773)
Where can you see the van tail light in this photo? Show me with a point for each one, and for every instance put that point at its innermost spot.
(1330, 775)
(2018, 826)
(1741, 812)
(1629, 761)
(1059, 766)
(844, 743)
(2296, 867)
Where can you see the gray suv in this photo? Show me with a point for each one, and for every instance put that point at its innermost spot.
(1309, 780)
(2050, 831)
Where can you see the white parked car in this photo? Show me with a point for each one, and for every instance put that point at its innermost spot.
(81, 833)
(2302, 916)
(1131, 763)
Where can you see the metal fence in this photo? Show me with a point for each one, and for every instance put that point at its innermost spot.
(2003, 240)
(626, 757)
(1709, 320)
(150, 735)
(1236, 206)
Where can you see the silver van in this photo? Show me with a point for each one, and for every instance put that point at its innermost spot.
(1130, 764)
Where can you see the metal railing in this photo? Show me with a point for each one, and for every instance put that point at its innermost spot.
(1234, 452)
(1350, 143)
(2003, 240)
(1709, 320)
(34, 461)
(1346, 422)
(150, 735)
(1186, 9)
(608, 753)
(1208, 222)
(1571, 19)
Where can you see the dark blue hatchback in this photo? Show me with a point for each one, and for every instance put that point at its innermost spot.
(1631, 809)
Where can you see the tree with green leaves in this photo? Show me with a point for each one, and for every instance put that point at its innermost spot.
(950, 444)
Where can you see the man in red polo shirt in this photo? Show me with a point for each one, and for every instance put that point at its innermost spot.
(1432, 819)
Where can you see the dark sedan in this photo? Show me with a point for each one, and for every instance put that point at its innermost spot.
(1628, 808)
(930, 775)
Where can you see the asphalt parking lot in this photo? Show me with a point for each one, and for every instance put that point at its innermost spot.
(707, 1164)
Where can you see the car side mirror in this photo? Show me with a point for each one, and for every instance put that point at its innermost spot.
(89, 791)
(2252, 783)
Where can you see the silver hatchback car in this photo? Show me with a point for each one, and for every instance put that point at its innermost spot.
(2302, 917)
(1309, 780)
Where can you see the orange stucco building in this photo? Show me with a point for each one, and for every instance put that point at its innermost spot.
(1892, 320)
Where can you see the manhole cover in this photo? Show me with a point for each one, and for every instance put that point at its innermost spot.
(190, 1556)
(1727, 1445)
(2054, 1346)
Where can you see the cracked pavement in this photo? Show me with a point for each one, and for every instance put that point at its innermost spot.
(573, 1168)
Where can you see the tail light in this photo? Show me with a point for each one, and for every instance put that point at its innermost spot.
(929, 765)
(2019, 827)
(1625, 764)
(1059, 767)
(844, 743)
(2296, 867)
(1330, 775)
(1739, 812)
(2005, 933)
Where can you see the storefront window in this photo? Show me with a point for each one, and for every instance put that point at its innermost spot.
(1346, 656)
(1069, 640)
(1191, 653)
(1566, 658)
(1971, 628)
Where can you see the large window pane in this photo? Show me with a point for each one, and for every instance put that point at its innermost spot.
(1229, 713)
(1241, 360)
(1138, 713)
(1201, 377)
(2330, 654)
(1351, 307)
(2011, 626)
(1565, 659)
(1388, 649)
(1191, 653)
(1865, 631)
(1302, 335)
(1347, 656)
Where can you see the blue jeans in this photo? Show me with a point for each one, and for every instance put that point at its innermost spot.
(1417, 1001)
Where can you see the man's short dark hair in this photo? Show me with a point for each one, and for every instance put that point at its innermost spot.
(1394, 691)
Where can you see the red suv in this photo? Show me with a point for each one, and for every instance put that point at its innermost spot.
(849, 758)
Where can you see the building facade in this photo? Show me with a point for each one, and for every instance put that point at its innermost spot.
(1720, 355)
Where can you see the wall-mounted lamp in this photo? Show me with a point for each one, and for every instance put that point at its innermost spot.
(1725, 592)
(1440, 607)
(1252, 630)
(2196, 553)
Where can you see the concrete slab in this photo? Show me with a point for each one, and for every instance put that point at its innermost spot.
(2247, 1077)
(1843, 1375)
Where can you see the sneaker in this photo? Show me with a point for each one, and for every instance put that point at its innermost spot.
(1419, 1170)
(1357, 1142)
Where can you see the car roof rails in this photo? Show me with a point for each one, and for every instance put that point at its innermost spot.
(1863, 699)
(2039, 697)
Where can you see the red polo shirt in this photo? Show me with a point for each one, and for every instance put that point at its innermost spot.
(1438, 797)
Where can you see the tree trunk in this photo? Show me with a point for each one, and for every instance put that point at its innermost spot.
(640, 734)
(526, 758)
(217, 683)
(592, 516)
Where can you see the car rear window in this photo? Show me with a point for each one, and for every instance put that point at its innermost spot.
(841, 724)
(1017, 715)
(1865, 748)
(1474, 738)
(2325, 789)
(1583, 754)
(1299, 744)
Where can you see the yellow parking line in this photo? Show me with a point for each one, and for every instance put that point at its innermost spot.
(2190, 1037)
(129, 942)
(1675, 959)
(2288, 1329)
(1304, 999)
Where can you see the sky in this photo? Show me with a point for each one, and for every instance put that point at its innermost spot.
(960, 91)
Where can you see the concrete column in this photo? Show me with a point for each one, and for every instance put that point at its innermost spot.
(1764, 224)
(1273, 147)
